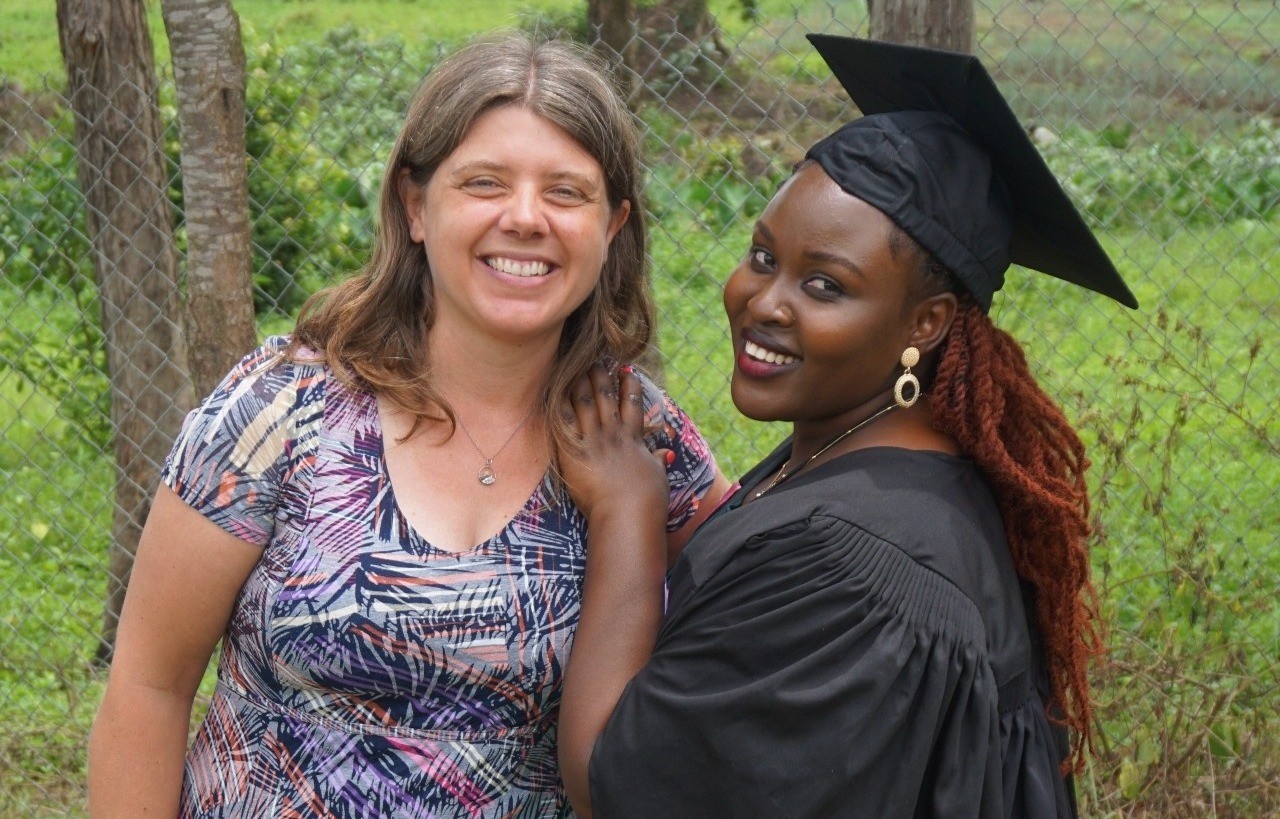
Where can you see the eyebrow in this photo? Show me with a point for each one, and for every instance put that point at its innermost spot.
(489, 166)
(818, 255)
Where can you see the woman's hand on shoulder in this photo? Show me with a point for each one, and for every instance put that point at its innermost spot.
(622, 489)
(612, 471)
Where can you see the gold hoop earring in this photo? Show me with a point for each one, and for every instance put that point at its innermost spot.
(907, 381)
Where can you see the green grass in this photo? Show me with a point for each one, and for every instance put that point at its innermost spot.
(1185, 452)
(29, 39)
(29, 28)
(1102, 30)
(56, 511)
(1191, 63)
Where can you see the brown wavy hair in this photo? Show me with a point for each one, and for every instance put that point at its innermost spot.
(372, 329)
(984, 396)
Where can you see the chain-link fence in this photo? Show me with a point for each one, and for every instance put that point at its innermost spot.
(1160, 118)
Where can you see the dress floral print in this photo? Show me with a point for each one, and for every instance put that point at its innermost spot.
(364, 672)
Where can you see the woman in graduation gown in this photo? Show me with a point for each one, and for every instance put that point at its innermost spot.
(892, 616)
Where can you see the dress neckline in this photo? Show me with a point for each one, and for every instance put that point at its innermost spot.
(539, 499)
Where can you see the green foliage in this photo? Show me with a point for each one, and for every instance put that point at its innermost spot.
(703, 197)
(749, 10)
(51, 338)
(56, 514)
(317, 132)
(1180, 426)
(42, 240)
(721, 183)
(52, 344)
(567, 21)
(1178, 181)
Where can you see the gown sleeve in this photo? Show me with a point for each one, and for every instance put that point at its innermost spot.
(1032, 748)
(240, 450)
(820, 672)
(693, 468)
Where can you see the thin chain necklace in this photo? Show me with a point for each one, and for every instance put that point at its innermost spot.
(783, 474)
(486, 475)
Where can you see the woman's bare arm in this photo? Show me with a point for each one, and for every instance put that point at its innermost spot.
(185, 579)
(622, 489)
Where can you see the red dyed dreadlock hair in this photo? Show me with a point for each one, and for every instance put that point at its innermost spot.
(984, 396)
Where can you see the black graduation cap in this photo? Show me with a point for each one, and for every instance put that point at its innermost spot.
(940, 152)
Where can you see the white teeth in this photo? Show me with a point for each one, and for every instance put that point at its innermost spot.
(768, 356)
(514, 268)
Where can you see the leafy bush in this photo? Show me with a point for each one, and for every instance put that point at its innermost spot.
(52, 336)
(320, 125)
(41, 238)
(1179, 181)
(721, 182)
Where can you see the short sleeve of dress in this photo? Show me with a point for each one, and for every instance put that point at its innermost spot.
(693, 469)
(238, 450)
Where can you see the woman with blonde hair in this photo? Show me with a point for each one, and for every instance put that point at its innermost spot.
(368, 513)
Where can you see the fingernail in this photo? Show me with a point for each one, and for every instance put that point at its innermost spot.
(670, 457)
(626, 369)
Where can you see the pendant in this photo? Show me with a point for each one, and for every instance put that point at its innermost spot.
(486, 475)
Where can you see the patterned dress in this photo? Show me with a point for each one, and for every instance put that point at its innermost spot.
(365, 673)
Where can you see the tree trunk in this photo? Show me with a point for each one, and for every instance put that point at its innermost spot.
(209, 67)
(613, 24)
(693, 17)
(690, 19)
(946, 24)
(111, 84)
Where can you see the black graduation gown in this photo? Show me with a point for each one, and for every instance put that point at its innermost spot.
(852, 644)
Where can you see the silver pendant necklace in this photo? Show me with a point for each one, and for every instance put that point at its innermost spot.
(487, 475)
(783, 474)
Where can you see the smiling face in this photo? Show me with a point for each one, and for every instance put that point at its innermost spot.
(820, 309)
(516, 224)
